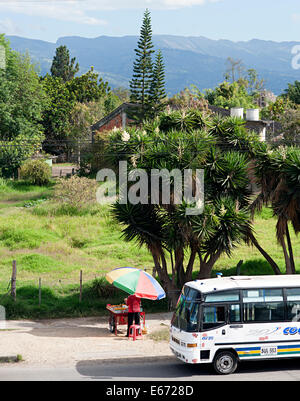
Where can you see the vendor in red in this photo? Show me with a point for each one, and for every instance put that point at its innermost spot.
(134, 308)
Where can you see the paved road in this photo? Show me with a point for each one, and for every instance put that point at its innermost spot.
(166, 369)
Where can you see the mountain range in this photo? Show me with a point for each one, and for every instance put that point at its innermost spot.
(188, 60)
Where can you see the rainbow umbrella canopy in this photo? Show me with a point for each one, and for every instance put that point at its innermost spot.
(136, 282)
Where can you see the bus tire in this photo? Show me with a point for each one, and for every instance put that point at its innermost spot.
(225, 363)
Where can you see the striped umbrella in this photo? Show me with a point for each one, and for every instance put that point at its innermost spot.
(136, 282)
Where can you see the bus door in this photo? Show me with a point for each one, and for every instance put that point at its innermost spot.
(221, 322)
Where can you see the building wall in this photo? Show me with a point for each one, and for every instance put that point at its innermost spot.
(111, 124)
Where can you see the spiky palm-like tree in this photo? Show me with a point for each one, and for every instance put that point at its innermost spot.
(231, 134)
(178, 241)
(278, 173)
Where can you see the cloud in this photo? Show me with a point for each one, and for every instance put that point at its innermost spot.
(296, 18)
(9, 27)
(83, 11)
(68, 10)
(185, 3)
(96, 5)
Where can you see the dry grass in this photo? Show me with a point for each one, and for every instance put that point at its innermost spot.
(160, 335)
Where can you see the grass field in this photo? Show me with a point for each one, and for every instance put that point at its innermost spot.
(54, 244)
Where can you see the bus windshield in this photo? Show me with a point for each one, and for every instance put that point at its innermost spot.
(186, 315)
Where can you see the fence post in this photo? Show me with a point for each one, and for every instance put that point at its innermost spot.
(14, 280)
(80, 289)
(40, 291)
(238, 267)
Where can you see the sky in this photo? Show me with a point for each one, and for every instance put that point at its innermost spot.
(277, 20)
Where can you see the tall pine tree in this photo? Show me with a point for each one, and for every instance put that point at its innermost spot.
(157, 92)
(142, 69)
(62, 66)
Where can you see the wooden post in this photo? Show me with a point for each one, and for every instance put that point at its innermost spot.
(40, 291)
(14, 280)
(238, 268)
(80, 290)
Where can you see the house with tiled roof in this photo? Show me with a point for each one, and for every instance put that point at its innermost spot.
(120, 118)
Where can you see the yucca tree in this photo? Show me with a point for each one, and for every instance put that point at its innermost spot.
(278, 173)
(232, 134)
(178, 241)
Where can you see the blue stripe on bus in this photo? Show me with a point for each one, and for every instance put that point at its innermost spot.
(248, 349)
(256, 351)
(288, 346)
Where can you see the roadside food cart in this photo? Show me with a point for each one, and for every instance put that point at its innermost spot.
(118, 315)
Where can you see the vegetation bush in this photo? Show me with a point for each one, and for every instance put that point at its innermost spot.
(54, 210)
(36, 172)
(37, 263)
(3, 185)
(22, 238)
(104, 289)
(75, 192)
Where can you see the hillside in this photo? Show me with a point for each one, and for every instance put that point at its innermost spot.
(188, 60)
(54, 244)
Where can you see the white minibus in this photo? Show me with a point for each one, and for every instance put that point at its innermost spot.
(226, 320)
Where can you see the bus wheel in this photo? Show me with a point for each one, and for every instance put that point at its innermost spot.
(225, 363)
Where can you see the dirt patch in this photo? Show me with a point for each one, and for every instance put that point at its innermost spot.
(69, 341)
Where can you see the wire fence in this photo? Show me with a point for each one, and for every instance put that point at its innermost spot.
(39, 289)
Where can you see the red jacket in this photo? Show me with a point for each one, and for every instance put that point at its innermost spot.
(134, 304)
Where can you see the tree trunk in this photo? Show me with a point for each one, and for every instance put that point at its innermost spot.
(205, 271)
(292, 260)
(171, 291)
(288, 265)
(206, 266)
(179, 258)
(272, 263)
(189, 269)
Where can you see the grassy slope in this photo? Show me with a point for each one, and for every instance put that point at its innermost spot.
(53, 246)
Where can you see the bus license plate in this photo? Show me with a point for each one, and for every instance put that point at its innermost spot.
(268, 351)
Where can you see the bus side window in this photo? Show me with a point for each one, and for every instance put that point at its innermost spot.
(213, 317)
(294, 311)
(293, 304)
(234, 313)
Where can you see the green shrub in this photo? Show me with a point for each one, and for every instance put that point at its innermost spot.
(104, 289)
(3, 185)
(36, 172)
(76, 192)
(17, 238)
(37, 263)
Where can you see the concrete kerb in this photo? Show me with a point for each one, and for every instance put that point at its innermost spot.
(125, 360)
